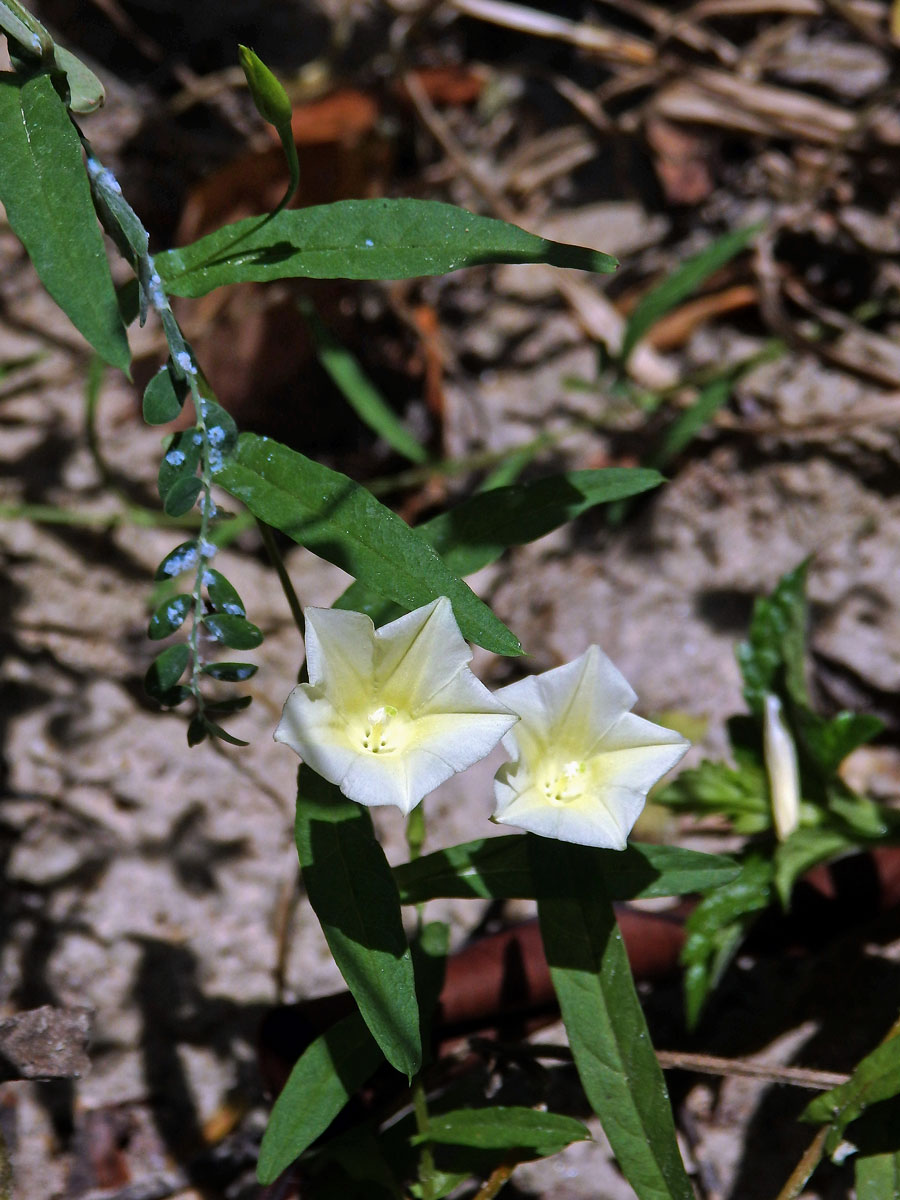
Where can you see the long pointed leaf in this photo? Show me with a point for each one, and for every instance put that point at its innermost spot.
(352, 892)
(44, 189)
(478, 531)
(343, 522)
(324, 1078)
(499, 869)
(360, 239)
(603, 1018)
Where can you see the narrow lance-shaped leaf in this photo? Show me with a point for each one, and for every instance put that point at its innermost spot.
(361, 239)
(607, 1031)
(875, 1079)
(477, 532)
(499, 868)
(324, 1078)
(343, 522)
(502, 1127)
(45, 191)
(352, 892)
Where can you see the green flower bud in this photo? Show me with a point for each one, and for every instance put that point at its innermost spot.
(271, 100)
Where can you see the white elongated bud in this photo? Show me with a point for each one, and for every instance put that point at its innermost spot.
(781, 767)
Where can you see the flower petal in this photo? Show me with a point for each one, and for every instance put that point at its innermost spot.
(418, 654)
(340, 655)
(604, 822)
(316, 730)
(584, 698)
(376, 779)
(460, 739)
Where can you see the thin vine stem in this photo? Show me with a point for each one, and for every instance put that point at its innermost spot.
(423, 1124)
(277, 560)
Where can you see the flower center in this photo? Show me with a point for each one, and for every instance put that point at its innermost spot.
(381, 729)
(568, 783)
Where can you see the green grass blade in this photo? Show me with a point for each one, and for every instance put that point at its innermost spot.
(683, 281)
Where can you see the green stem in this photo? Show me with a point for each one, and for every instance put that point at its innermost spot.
(96, 371)
(277, 560)
(423, 1124)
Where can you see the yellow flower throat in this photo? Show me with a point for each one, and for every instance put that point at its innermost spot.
(378, 735)
(567, 785)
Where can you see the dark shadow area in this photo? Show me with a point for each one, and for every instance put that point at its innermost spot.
(176, 1012)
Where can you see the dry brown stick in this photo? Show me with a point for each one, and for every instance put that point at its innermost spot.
(618, 47)
(710, 1064)
(680, 28)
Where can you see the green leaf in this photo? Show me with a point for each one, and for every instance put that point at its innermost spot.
(358, 390)
(222, 734)
(861, 817)
(499, 869)
(342, 522)
(777, 644)
(197, 730)
(361, 239)
(877, 1176)
(222, 595)
(804, 849)
(429, 955)
(169, 616)
(683, 281)
(327, 1074)
(352, 892)
(179, 465)
(877, 1163)
(25, 30)
(220, 428)
(876, 1078)
(689, 423)
(478, 531)
(163, 397)
(236, 632)
(828, 742)
(45, 192)
(165, 671)
(86, 92)
(712, 788)
(230, 672)
(607, 1032)
(182, 495)
(716, 927)
(182, 558)
(501, 1128)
